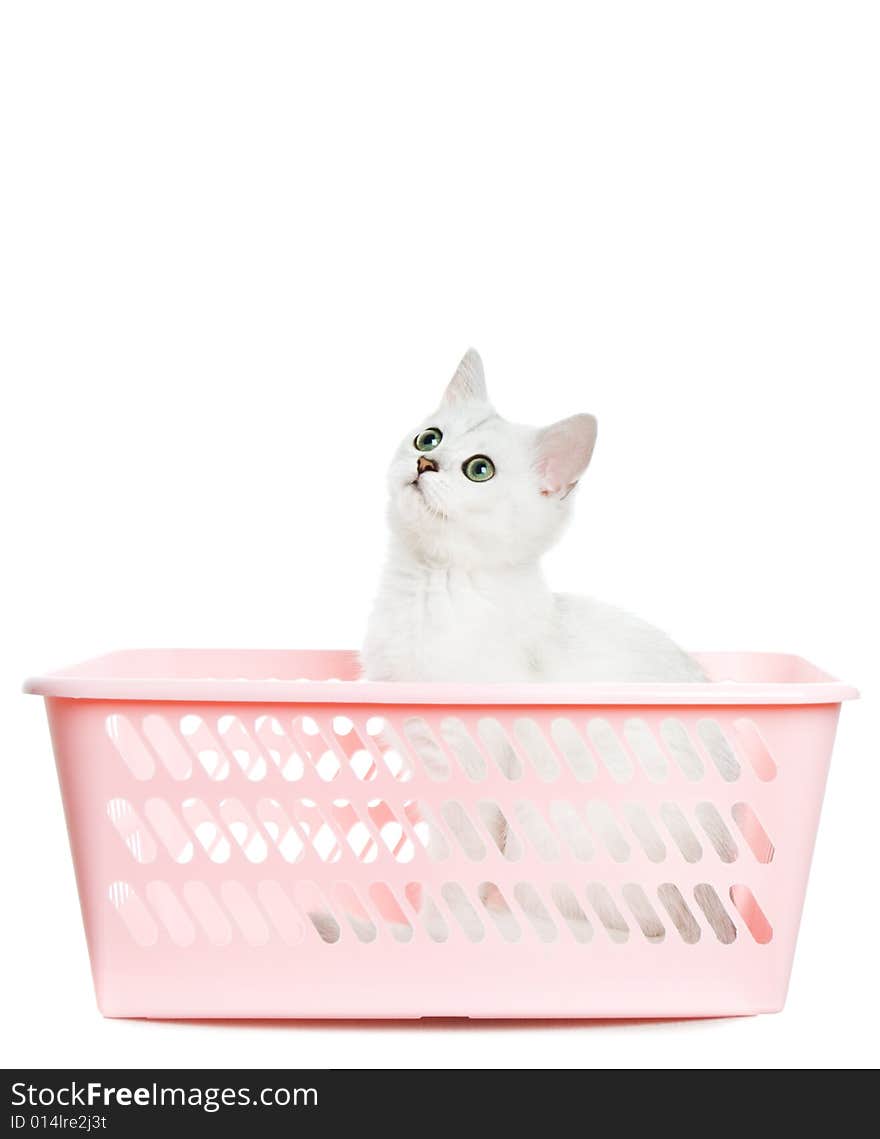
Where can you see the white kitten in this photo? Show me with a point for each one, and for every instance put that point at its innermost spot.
(474, 503)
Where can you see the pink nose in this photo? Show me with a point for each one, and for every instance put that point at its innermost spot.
(426, 464)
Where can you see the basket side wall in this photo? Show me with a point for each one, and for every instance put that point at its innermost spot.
(350, 860)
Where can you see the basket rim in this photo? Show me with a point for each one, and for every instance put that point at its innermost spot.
(309, 676)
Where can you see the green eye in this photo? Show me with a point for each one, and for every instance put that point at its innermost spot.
(428, 439)
(479, 468)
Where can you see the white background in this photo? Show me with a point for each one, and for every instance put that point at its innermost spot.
(244, 246)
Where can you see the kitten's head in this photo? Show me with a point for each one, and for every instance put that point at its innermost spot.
(470, 489)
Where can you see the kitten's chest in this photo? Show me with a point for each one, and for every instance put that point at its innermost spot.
(445, 629)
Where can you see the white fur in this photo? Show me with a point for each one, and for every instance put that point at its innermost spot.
(462, 596)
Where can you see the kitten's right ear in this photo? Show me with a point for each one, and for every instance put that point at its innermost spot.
(563, 452)
(468, 385)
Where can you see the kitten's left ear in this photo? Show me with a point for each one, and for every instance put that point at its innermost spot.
(563, 452)
(468, 385)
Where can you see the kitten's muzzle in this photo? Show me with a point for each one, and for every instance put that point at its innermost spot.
(425, 464)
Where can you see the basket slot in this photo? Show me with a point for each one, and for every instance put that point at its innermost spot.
(497, 743)
(169, 829)
(462, 748)
(358, 749)
(752, 914)
(395, 752)
(135, 916)
(752, 744)
(391, 912)
(573, 749)
(607, 912)
(344, 751)
(207, 830)
(281, 911)
(602, 823)
(424, 906)
(322, 835)
(207, 912)
(613, 755)
(166, 905)
(322, 750)
(133, 751)
(278, 745)
(213, 758)
(238, 744)
(282, 833)
(536, 830)
(644, 913)
(432, 758)
(426, 830)
(362, 838)
(462, 910)
(716, 831)
(363, 763)
(314, 905)
(571, 911)
(393, 830)
(129, 826)
(678, 744)
(168, 746)
(533, 743)
(750, 828)
(530, 903)
(685, 839)
(356, 915)
(646, 749)
(383, 745)
(244, 830)
(715, 913)
(499, 830)
(644, 830)
(718, 746)
(496, 906)
(571, 829)
(679, 912)
(463, 829)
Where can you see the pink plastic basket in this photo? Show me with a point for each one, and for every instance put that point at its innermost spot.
(260, 834)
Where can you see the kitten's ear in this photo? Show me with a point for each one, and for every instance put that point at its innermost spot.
(563, 451)
(468, 385)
